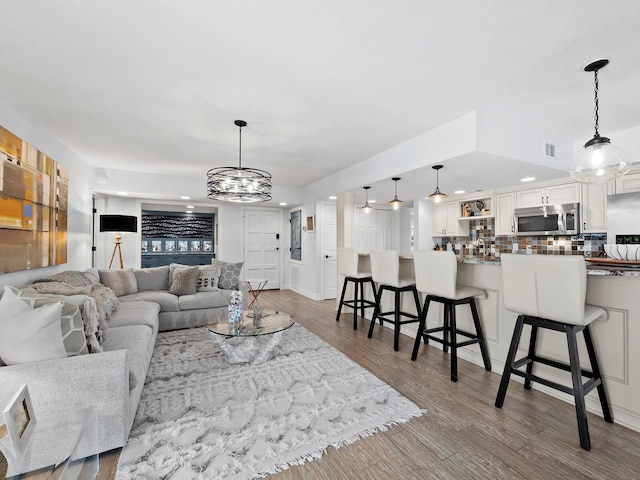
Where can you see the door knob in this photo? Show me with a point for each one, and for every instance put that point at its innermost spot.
(326, 256)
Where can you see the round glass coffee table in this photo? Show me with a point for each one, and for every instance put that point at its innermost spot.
(251, 340)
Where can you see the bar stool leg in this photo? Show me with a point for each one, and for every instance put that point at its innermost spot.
(508, 364)
(445, 331)
(530, 355)
(604, 403)
(480, 334)
(344, 289)
(355, 304)
(376, 310)
(454, 343)
(396, 326)
(421, 326)
(416, 299)
(578, 392)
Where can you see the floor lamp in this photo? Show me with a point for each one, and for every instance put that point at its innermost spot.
(118, 224)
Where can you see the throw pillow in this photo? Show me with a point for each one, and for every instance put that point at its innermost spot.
(86, 304)
(151, 279)
(122, 282)
(172, 269)
(29, 335)
(93, 275)
(185, 281)
(208, 278)
(229, 274)
(71, 324)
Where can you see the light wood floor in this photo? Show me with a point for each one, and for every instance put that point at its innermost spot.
(462, 435)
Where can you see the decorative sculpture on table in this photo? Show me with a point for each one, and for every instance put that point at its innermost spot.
(235, 308)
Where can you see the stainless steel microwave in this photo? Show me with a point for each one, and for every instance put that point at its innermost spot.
(548, 220)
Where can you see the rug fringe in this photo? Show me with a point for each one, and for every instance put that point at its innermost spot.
(318, 454)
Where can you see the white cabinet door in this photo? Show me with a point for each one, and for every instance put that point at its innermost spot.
(530, 198)
(439, 222)
(594, 207)
(554, 195)
(445, 220)
(504, 214)
(453, 225)
(628, 183)
(565, 193)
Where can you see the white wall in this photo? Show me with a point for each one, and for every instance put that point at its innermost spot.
(79, 221)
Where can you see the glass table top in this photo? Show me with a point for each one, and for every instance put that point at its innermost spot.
(272, 321)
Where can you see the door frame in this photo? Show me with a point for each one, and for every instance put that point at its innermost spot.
(280, 249)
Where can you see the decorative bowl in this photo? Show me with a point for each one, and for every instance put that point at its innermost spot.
(622, 252)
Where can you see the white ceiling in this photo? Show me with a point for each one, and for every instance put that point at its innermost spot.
(155, 85)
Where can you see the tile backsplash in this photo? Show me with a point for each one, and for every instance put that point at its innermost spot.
(588, 244)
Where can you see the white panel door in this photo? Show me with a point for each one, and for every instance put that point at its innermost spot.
(384, 230)
(262, 232)
(329, 233)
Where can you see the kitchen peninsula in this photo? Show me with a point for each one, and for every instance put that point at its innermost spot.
(614, 337)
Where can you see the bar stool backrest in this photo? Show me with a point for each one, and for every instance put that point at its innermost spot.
(385, 267)
(546, 286)
(436, 273)
(348, 261)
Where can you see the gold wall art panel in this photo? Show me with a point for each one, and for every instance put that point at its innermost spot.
(34, 193)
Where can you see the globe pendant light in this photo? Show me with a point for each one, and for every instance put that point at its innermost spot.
(599, 161)
(366, 208)
(239, 184)
(437, 196)
(395, 203)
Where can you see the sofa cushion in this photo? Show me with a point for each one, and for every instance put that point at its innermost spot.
(29, 335)
(219, 298)
(209, 277)
(185, 281)
(135, 313)
(122, 282)
(137, 340)
(168, 301)
(229, 274)
(155, 278)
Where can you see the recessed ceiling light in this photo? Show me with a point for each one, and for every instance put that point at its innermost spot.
(283, 204)
(189, 211)
(184, 197)
(123, 193)
(372, 201)
(458, 192)
(527, 179)
(333, 197)
(190, 206)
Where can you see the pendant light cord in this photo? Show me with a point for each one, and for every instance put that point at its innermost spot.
(596, 116)
(240, 152)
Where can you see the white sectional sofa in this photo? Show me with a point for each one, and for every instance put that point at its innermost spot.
(112, 380)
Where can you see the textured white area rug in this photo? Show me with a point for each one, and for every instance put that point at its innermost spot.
(200, 417)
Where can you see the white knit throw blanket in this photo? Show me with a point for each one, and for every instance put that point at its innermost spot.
(202, 418)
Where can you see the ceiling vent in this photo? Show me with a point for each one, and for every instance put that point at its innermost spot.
(549, 150)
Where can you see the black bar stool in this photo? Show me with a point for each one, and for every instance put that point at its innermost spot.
(348, 264)
(549, 292)
(385, 268)
(436, 275)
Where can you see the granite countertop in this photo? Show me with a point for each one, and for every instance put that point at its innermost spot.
(591, 269)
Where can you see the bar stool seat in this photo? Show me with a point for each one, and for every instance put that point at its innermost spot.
(385, 269)
(436, 276)
(549, 292)
(348, 264)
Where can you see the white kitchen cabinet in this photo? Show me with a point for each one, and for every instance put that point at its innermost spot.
(553, 195)
(504, 214)
(628, 183)
(594, 207)
(445, 220)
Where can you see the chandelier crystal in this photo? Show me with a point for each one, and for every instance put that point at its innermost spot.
(239, 184)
